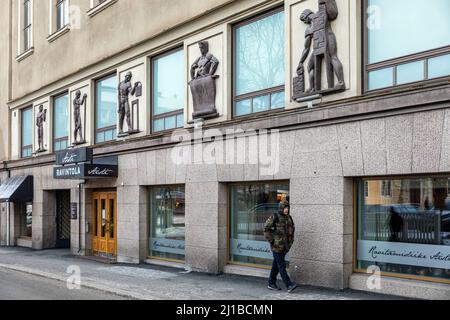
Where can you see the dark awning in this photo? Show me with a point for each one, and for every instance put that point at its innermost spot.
(17, 189)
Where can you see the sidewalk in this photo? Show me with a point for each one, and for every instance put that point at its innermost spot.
(159, 283)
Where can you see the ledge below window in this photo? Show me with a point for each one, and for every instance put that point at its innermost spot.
(100, 7)
(24, 55)
(58, 33)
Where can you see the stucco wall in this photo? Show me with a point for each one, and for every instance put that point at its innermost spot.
(112, 31)
(4, 78)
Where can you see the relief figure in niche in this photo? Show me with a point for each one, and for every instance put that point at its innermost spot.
(202, 84)
(320, 36)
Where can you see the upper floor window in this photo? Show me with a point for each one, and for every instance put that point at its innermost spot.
(106, 109)
(60, 122)
(27, 132)
(97, 6)
(400, 49)
(259, 64)
(168, 91)
(62, 13)
(27, 26)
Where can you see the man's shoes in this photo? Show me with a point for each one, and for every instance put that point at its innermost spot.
(292, 287)
(273, 287)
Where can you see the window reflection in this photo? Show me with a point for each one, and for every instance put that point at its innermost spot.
(251, 206)
(410, 217)
(167, 227)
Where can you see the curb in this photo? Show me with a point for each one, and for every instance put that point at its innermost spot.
(95, 286)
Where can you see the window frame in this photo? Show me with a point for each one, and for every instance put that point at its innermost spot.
(66, 138)
(175, 113)
(251, 95)
(394, 63)
(112, 127)
(22, 146)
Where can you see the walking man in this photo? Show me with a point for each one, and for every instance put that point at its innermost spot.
(279, 231)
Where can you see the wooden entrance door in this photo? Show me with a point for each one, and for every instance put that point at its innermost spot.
(104, 223)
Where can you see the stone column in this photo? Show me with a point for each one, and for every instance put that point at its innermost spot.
(86, 222)
(206, 220)
(132, 217)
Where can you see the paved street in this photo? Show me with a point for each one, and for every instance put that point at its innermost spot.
(16, 285)
(19, 267)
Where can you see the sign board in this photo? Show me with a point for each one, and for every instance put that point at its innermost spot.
(74, 211)
(167, 245)
(252, 248)
(86, 171)
(73, 156)
(410, 254)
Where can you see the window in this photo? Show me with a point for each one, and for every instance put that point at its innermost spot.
(167, 226)
(251, 206)
(168, 91)
(106, 109)
(27, 132)
(26, 220)
(60, 122)
(407, 233)
(386, 188)
(259, 71)
(366, 189)
(97, 6)
(401, 51)
(62, 13)
(27, 26)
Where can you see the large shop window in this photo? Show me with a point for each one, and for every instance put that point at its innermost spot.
(259, 64)
(407, 233)
(402, 51)
(167, 223)
(168, 91)
(27, 133)
(251, 206)
(106, 109)
(60, 122)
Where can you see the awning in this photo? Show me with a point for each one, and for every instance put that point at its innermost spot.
(17, 189)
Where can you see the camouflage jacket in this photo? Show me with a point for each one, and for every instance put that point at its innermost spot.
(280, 234)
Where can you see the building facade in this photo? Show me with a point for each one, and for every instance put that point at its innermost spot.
(167, 132)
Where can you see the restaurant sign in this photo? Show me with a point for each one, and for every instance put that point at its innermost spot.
(85, 171)
(410, 254)
(73, 156)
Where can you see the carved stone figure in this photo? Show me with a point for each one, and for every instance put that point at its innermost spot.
(40, 119)
(203, 86)
(78, 123)
(320, 35)
(126, 89)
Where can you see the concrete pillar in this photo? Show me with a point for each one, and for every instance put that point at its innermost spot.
(206, 226)
(132, 222)
(86, 222)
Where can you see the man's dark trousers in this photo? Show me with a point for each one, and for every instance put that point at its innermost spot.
(279, 266)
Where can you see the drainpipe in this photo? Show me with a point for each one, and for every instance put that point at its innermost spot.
(8, 216)
(80, 190)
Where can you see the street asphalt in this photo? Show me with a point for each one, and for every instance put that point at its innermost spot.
(19, 268)
(22, 286)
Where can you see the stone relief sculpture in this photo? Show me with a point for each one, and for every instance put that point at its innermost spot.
(40, 119)
(78, 102)
(202, 84)
(321, 37)
(126, 89)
